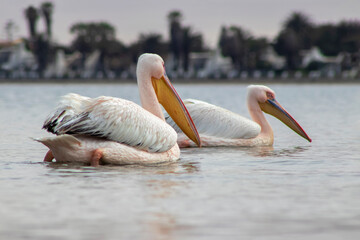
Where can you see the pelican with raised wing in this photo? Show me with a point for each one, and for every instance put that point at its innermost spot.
(117, 131)
(220, 127)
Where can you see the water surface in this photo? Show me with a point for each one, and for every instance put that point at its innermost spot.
(294, 190)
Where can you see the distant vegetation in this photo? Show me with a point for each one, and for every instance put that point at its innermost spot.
(298, 33)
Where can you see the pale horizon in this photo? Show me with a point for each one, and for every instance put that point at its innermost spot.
(262, 18)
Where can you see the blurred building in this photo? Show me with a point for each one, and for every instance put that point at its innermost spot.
(15, 60)
(273, 59)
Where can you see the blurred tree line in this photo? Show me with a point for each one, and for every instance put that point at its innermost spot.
(183, 41)
(298, 33)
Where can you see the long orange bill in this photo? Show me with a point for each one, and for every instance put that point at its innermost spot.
(170, 100)
(273, 107)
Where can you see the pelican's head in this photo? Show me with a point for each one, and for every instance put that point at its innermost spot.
(265, 98)
(151, 74)
(152, 64)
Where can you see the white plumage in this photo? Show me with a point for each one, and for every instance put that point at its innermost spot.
(113, 119)
(220, 127)
(117, 131)
(80, 149)
(211, 120)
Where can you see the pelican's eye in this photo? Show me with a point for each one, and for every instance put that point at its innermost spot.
(269, 95)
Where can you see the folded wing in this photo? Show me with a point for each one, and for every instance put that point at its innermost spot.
(211, 120)
(111, 118)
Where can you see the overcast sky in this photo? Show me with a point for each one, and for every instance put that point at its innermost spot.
(132, 17)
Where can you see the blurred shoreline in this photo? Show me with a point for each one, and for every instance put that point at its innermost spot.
(188, 81)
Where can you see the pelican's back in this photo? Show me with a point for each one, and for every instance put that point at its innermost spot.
(211, 120)
(111, 118)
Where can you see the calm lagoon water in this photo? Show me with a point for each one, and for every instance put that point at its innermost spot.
(294, 190)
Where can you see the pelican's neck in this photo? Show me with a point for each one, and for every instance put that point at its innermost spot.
(258, 116)
(148, 97)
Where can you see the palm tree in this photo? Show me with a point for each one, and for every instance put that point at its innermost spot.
(296, 35)
(256, 48)
(288, 44)
(302, 25)
(174, 16)
(223, 41)
(32, 16)
(41, 51)
(186, 47)
(233, 44)
(93, 36)
(191, 42)
(47, 10)
(176, 36)
(152, 43)
(239, 53)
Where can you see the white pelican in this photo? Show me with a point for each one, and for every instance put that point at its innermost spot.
(117, 131)
(220, 127)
